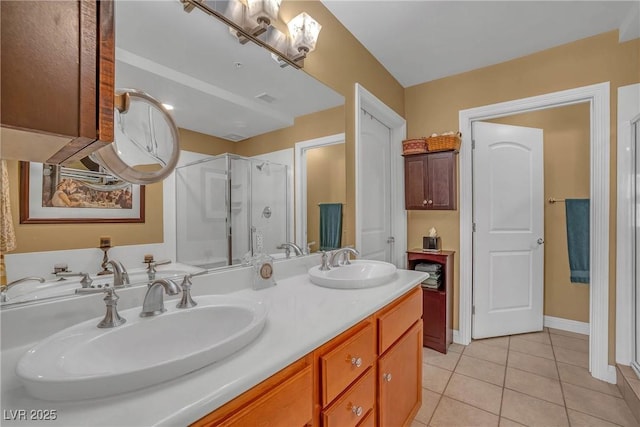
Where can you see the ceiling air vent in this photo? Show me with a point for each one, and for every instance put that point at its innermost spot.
(233, 137)
(266, 98)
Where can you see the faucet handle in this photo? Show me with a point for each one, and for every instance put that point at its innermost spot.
(86, 278)
(308, 248)
(111, 317)
(325, 262)
(186, 301)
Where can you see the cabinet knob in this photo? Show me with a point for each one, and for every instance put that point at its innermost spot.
(386, 377)
(430, 202)
(424, 202)
(357, 410)
(356, 361)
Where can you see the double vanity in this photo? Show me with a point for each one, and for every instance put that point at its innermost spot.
(347, 352)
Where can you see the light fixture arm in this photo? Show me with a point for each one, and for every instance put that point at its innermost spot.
(189, 5)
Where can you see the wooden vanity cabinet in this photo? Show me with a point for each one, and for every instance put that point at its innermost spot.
(369, 375)
(57, 78)
(430, 181)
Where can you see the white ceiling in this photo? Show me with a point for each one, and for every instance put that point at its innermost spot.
(188, 60)
(420, 41)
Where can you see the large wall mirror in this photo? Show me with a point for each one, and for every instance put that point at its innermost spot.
(224, 96)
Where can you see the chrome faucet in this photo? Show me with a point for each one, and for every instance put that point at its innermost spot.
(111, 317)
(154, 299)
(86, 279)
(344, 252)
(5, 288)
(287, 249)
(151, 267)
(120, 274)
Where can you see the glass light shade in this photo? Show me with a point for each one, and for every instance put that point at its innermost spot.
(304, 31)
(263, 9)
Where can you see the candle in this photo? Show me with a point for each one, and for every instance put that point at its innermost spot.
(105, 241)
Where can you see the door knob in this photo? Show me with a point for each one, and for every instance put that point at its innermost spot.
(540, 241)
(391, 239)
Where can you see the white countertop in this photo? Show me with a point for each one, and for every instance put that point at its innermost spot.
(301, 317)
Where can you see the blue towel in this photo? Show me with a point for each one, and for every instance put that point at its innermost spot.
(578, 239)
(330, 226)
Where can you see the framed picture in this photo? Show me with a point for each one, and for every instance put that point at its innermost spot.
(51, 194)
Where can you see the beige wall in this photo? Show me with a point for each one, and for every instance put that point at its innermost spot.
(325, 184)
(434, 106)
(566, 176)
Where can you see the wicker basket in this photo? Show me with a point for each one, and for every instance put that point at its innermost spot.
(414, 146)
(443, 143)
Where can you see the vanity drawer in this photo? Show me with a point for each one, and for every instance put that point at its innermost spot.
(395, 321)
(359, 399)
(346, 362)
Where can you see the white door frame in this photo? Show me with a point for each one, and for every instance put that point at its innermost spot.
(597, 96)
(300, 169)
(398, 125)
(628, 101)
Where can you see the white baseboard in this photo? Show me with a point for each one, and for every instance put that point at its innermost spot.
(457, 339)
(567, 325)
(612, 375)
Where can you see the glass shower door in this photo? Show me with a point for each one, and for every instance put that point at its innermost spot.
(269, 205)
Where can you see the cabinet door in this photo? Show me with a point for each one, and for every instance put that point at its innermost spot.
(400, 379)
(434, 315)
(57, 78)
(441, 177)
(288, 405)
(415, 182)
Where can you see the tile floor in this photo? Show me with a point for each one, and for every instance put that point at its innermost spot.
(537, 379)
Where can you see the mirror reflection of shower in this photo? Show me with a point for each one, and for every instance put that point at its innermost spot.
(224, 203)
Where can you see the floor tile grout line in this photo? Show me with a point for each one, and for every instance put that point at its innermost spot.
(564, 399)
(468, 404)
(445, 387)
(596, 417)
(504, 378)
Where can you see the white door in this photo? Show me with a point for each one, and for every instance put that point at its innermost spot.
(635, 143)
(375, 184)
(508, 209)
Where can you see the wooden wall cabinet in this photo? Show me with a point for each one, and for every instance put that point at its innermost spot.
(430, 181)
(369, 375)
(437, 313)
(57, 78)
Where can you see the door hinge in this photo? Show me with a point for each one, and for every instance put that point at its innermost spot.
(473, 309)
(474, 227)
(473, 144)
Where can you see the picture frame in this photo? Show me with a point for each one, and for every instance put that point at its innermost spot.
(42, 203)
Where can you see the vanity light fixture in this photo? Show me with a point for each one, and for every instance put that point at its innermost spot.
(252, 20)
(304, 31)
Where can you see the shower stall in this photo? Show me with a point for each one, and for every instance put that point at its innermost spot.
(228, 208)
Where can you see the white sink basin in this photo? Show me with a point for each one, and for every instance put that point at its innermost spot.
(83, 361)
(360, 274)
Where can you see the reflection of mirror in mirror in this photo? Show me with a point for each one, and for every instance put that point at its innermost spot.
(227, 97)
(147, 143)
